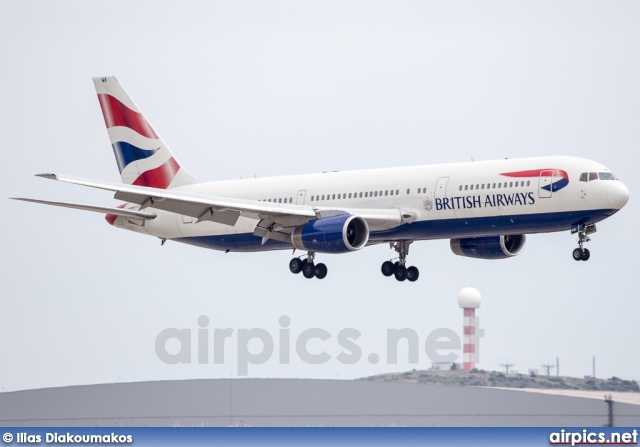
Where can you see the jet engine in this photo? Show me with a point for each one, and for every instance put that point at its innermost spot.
(335, 234)
(493, 247)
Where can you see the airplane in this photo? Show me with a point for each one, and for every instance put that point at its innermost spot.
(485, 208)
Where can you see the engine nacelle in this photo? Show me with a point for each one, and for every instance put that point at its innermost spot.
(493, 247)
(335, 234)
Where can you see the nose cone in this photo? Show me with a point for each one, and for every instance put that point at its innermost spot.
(618, 195)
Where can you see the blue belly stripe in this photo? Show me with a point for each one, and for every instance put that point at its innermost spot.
(425, 230)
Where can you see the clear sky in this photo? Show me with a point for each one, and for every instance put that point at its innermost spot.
(275, 88)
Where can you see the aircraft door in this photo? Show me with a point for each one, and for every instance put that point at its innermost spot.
(544, 184)
(300, 199)
(441, 187)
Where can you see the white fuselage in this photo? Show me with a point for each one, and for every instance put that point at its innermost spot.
(470, 199)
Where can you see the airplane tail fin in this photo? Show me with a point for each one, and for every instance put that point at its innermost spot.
(143, 157)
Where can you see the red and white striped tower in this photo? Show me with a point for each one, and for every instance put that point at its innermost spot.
(469, 299)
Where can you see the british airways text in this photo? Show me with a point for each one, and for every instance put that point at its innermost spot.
(490, 200)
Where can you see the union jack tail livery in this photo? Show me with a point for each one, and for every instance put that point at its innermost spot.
(143, 157)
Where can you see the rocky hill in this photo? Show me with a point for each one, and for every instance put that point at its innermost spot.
(499, 379)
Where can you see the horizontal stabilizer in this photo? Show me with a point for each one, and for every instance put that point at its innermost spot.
(97, 209)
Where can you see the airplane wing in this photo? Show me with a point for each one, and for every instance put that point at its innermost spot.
(277, 220)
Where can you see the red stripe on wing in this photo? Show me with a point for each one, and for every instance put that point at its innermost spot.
(117, 114)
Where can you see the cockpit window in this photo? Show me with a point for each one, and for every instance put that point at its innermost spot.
(606, 176)
(589, 176)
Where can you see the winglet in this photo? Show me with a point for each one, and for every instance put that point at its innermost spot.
(50, 176)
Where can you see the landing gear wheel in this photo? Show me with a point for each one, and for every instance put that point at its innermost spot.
(309, 270)
(412, 274)
(401, 273)
(321, 271)
(586, 254)
(388, 268)
(577, 254)
(295, 265)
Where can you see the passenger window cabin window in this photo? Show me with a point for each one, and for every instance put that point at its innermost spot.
(528, 182)
(391, 192)
(460, 188)
(386, 193)
(338, 196)
(499, 185)
(333, 197)
(494, 186)
(376, 193)
(466, 187)
(397, 191)
(483, 186)
(360, 195)
(408, 191)
(510, 184)
(366, 194)
(477, 186)
(471, 187)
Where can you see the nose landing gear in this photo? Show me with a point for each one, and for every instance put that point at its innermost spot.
(398, 268)
(308, 268)
(581, 253)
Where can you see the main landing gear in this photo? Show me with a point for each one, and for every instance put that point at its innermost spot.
(307, 267)
(581, 253)
(399, 268)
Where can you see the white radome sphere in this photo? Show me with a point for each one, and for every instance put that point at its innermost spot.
(469, 298)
